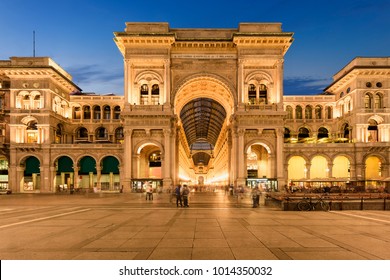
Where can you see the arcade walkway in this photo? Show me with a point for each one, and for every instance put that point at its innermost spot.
(127, 227)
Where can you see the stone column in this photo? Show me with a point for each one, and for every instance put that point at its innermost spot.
(233, 168)
(330, 170)
(126, 171)
(167, 179)
(98, 177)
(167, 77)
(20, 178)
(52, 179)
(308, 167)
(128, 81)
(280, 175)
(240, 158)
(240, 81)
(229, 155)
(76, 177)
(279, 82)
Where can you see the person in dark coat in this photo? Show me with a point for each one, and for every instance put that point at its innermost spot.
(178, 196)
(185, 194)
(256, 197)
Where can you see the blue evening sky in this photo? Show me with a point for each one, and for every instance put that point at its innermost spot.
(78, 34)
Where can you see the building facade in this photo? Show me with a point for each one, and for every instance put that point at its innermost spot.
(200, 106)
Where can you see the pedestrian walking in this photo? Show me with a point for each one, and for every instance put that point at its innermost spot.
(178, 196)
(185, 194)
(256, 197)
(149, 193)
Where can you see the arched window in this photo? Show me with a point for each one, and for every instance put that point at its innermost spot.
(378, 101)
(58, 134)
(345, 131)
(77, 113)
(289, 110)
(298, 112)
(322, 133)
(101, 133)
(155, 94)
(26, 102)
(32, 132)
(367, 101)
(287, 135)
(329, 112)
(117, 112)
(82, 134)
(308, 112)
(372, 131)
(252, 94)
(342, 109)
(87, 112)
(96, 113)
(119, 137)
(106, 112)
(37, 101)
(144, 91)
(263, 94)
(318, 112)
(303, 133)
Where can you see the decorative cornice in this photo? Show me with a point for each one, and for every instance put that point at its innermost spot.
(49, 72)
(355, 72)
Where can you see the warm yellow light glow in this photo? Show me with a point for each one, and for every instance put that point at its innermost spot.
(296, 168)
(340, 167)
(373, 168)
(221, 178)
(318, 168)
(184, 178)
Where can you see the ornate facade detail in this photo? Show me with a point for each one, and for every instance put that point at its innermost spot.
(202, 103)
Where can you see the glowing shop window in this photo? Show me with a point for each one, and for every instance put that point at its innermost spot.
(32, 137)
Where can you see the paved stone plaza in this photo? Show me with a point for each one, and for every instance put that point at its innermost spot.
(215, 226)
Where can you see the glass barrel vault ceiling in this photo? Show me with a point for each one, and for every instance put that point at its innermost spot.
(202, 120)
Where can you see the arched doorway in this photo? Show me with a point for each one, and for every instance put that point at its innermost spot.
(319, 168)
(258, 162)
(341, 167)
(64, 173)
(296, 172)
(259, 171)
(373, 173)
(373, 168)
(148, 167)
(87, 173)
(31, 176)
(204, 105)
(109, 180)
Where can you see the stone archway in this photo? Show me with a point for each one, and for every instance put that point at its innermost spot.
(204, 105)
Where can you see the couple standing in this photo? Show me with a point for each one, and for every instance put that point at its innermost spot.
(182, 194)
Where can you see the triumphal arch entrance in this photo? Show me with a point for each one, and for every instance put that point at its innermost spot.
(203, 106)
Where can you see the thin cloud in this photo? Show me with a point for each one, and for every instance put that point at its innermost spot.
(305, 85)
(96, 78)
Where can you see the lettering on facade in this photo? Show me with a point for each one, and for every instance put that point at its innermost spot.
(205, 56)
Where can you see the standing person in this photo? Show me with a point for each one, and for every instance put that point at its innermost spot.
(256, 197)
(178, 196)
(185, 194)
(149, 193)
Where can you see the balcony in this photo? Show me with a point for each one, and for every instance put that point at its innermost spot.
(261, 107)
